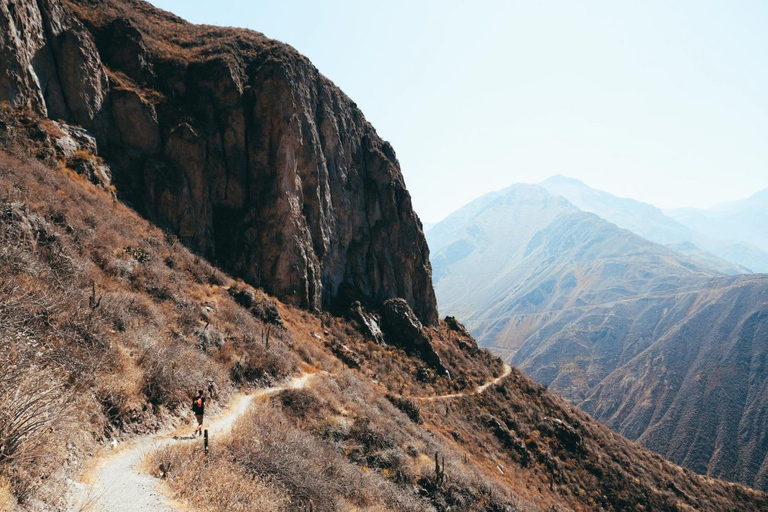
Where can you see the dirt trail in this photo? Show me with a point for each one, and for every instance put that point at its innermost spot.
(118, 485)
(477, 390)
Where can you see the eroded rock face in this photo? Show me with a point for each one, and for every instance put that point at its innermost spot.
(369, 323)
(402, 328)
(234, 141)
(454, 324)
(51, 64)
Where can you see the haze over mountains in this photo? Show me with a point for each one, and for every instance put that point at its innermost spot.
(134, 146)
(723, 237)
(662, 346)
(745, 220)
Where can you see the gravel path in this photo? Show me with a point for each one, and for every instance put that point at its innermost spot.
(119, 485)
(477, 391)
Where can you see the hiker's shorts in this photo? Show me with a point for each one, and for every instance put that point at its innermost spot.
(199, 418)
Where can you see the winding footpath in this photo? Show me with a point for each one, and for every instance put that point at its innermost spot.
(119, 484)
(478, 390)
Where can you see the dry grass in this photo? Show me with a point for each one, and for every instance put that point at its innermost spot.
(339, 445)
(216, 483)
(127, 324)
(7, 498)
(286, 467)
(169, 37)
(96, 323)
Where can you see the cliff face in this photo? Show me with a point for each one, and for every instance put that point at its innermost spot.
(233, 141)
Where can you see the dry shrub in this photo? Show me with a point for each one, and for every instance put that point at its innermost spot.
(173, 371)
(32, 406)
(301, 402)
(7, 499)
(123, 311)
(371, 436)
(465, 489)
(120, 393)
(189, 316)
(261, 366)
(269, 447)
(408, 406)
(217, 483)
(267, 450)
(260, 306)
(28, 409)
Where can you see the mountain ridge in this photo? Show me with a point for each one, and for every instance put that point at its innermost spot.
(118, 323)
(624, 328)
(654, 224)
(236, 146)
(740, 220)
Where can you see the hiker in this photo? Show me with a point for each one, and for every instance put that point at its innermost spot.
(198, 408)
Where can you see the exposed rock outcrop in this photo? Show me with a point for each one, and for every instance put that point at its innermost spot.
(457, 326)
(402, 328)
(54, 143)
(346, 354)
(369, 323)
(51, 63)
(232, 140)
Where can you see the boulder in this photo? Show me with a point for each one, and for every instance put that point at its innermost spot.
(369, 323)
(403, 328)
(345, 354)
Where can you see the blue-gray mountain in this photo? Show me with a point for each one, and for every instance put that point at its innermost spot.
(727, 245)
(660, 346)
(745, 221)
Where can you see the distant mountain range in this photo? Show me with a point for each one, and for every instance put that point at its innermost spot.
(731, 242)
(745, 221)
(662, 346)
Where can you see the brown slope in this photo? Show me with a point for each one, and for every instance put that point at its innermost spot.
(697, 394)
(163, 322)
(233, 141)
(665, 351)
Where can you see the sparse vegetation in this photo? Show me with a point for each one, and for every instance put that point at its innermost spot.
(99, 336)
(325, 447)
(101, 342)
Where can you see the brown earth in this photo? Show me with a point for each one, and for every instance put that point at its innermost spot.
(236, 145)
(109, 325)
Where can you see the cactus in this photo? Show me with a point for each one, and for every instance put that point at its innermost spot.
(93, 301)
(439, 469)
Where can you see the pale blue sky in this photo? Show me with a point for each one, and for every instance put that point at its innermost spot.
(665, 102)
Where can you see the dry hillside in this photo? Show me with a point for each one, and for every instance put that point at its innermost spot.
(657, 345)
(109, 324)
(188, 207)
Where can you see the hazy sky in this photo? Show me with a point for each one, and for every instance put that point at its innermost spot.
(665, 102)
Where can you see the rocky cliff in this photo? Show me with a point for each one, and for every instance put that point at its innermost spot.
(231, 140)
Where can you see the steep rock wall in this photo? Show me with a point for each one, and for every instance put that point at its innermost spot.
(233, 141)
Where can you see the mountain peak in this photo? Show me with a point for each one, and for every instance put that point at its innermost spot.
(560, 179)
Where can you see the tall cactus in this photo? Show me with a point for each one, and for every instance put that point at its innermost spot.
(439, 469)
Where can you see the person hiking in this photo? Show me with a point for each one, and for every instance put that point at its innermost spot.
(198, 408)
